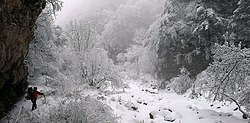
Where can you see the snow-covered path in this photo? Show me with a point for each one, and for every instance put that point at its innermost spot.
(141, 104)
(146, 105)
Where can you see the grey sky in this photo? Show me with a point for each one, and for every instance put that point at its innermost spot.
(72, 9)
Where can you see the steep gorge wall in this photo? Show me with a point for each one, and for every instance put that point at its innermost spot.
(17, 19)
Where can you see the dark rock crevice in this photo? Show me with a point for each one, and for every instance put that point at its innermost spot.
(17, 18)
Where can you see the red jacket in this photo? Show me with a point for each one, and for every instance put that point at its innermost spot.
(35, 93)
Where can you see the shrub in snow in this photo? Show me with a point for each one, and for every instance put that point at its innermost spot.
(181, 83)
(87, 110)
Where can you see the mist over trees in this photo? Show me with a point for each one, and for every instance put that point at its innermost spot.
(185, 45)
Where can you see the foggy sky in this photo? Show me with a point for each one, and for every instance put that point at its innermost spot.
(72, 9)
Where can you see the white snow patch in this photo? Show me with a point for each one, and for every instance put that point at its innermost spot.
(164, 107)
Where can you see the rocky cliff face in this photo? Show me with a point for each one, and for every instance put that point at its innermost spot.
(17, 18)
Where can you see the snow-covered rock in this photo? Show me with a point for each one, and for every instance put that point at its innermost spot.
(167, 107)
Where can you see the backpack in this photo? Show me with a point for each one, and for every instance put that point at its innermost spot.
(29, 93)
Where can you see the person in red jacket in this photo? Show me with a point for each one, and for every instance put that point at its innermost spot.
(34, 98)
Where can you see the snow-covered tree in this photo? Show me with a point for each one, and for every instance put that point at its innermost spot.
(50, 60)
(54, 6)
(239, 24)
(142, 55)
(81, 34)
(92, 59)
(41, 58)
(177, 44)
(229, 75)
(135, 52)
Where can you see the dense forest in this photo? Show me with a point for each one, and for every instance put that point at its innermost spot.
(93, 66)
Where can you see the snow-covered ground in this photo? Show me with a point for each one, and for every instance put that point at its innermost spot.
(141, 104)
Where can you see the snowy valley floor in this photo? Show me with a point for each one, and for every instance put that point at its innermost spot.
(141, 104)
(146, 105)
